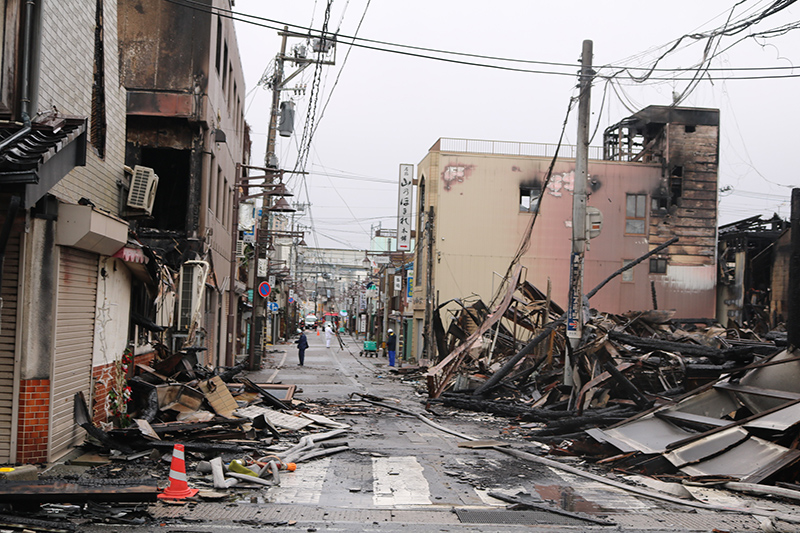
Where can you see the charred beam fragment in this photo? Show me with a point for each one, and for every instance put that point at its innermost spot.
(265, 394)
(633, 391)
(715, 354)
(61, 492)
(529, 502)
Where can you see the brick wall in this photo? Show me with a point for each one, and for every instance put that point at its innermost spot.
(103, 380)
(34, 413)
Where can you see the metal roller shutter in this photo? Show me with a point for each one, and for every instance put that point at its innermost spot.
(8, 342)
(74, 340)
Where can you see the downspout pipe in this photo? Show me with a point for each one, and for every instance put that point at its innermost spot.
(25, 89)
(27, 52)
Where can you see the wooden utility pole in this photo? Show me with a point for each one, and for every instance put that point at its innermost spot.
(575, 310)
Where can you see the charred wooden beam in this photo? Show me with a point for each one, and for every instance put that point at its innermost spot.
(529, 502)
(265, 394)
(633, 391)
(61, 492)
(715, 354)
(24, 523)
(512, 362)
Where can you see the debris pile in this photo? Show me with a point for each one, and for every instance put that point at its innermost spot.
(194, 433)
(643, 392)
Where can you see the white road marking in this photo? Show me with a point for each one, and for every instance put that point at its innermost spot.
(399, 481)
(304, 485)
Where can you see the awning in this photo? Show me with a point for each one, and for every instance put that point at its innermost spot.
(132, 255)
(33, 159)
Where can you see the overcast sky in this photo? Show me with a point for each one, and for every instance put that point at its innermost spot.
(382, 109)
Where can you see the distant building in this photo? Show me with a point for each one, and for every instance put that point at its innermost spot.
(656, 178)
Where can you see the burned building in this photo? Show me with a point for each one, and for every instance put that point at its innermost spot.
(748, 251)
(185, 121)
(654, 179)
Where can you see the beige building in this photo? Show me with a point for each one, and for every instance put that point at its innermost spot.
(656, 179)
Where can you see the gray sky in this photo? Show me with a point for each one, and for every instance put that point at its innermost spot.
(389, 108)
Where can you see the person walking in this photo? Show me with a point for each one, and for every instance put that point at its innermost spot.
(391, 346)
(328, 334)
(302, 344)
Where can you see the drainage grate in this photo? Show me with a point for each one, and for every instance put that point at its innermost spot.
(480, 516)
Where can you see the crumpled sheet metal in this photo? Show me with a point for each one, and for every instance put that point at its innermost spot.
(733, 452)
(648, 435)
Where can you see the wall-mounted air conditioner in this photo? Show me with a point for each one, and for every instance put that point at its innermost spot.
(191, 288)
(142, 193)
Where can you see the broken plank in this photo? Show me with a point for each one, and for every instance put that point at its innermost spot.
(61, 492)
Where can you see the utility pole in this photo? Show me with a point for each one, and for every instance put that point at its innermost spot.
(429, 342)
(575, 310)
(793, 292)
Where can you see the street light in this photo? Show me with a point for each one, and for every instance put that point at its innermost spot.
(269, 189)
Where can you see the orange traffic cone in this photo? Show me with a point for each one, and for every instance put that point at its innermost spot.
(178, 489)
(317, 332)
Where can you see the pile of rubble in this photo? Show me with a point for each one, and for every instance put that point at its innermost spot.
(642, 392)
(236, 435)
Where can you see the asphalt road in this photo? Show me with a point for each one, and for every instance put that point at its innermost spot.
(408, 473)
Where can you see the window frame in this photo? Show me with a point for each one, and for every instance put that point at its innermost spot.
(533, 202)
(639, 215)
(658, 261)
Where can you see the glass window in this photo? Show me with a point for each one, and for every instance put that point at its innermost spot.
(658, 266)
(627, 276)
(529, 199)
(635, 213)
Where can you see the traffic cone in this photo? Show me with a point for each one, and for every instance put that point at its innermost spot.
(317, 332)
(178, 489)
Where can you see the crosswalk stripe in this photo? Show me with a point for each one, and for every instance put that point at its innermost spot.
(303, 485)
(399, 481)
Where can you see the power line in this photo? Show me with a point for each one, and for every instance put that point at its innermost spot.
(360, 43)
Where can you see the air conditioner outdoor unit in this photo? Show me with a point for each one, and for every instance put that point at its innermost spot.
(142, 193)
(191, 289)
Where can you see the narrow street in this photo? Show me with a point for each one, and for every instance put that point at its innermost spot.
(402, 474)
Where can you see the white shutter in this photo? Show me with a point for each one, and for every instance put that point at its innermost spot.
(74, 341)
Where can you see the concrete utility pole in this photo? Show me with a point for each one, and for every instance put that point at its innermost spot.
(793, 319)
(575, 310)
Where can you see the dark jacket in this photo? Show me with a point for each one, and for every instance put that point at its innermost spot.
(302, 342)
(391, 342)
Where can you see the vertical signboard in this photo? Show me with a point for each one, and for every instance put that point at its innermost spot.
(404, 208)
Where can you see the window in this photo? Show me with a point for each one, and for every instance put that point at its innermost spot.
(635, 213)
(529, 198)
(219, 42)
(97, 134)
(658, 266)
(675, 185)
(225, 67)
(220, 192)
(627, 276)
(212, 184)
(226, 204)
(689, 129)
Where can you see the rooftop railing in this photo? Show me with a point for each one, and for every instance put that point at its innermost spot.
(477, 146)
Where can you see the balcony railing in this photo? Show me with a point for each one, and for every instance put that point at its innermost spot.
(477, 146)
